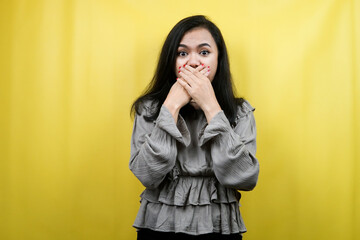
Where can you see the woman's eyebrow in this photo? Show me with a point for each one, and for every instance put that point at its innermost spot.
(199, 46)
(183, 45)
(203, 45)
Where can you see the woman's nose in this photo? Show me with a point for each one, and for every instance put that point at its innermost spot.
(194, 61)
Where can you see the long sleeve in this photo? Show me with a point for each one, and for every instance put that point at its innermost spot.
(153, 146)
(233, 150)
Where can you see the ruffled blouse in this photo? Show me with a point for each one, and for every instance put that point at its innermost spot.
(192, 170)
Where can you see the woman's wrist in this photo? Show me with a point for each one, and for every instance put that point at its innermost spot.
(173, 108)
(211, 110)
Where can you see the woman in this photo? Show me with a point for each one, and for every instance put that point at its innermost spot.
(193, 143)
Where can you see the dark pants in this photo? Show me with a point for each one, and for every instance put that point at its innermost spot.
(146, 234)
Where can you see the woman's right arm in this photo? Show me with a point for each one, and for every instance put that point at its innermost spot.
(153, 146)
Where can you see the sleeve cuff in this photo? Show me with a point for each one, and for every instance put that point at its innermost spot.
(218, 124)
(179, 131)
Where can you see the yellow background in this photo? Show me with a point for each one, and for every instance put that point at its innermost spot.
(70, 69)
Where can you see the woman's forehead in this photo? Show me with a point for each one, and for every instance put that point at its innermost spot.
(197, 36)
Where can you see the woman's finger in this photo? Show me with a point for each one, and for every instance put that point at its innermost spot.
(205, 71)
(193, 74)
(187, 70)
(200, 67)
(190, 70)
(188, 75)
(184, 84)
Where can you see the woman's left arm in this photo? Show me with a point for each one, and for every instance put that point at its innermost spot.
(233, 150)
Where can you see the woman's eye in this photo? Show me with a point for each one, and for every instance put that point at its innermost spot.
(182, 54)
(204, 52)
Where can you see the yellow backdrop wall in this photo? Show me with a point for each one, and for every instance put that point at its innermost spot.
(70, 69)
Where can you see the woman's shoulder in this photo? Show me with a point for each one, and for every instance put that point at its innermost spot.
(244, 108)
(147, 107)
(244, 111)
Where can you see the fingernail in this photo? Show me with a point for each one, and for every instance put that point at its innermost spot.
(179, 71)
(184, 65)
(208, 66)
(179, 67)
(202, 64)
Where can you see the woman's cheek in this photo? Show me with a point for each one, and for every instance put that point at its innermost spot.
(177, 68)
(212, 74)
(177, 71)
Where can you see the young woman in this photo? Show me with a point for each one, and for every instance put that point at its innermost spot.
(193, 143)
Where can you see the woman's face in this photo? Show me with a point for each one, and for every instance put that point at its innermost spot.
(197, 47)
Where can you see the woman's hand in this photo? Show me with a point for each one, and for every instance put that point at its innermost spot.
(176, 99)
(177, 96)
(198, 86)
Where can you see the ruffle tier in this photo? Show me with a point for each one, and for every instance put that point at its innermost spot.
(188, 190)
(192, 205)
(221, 218)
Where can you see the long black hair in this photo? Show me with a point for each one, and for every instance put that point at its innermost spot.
(165, 76)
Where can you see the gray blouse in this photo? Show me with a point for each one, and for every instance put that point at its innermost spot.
(192, 170)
